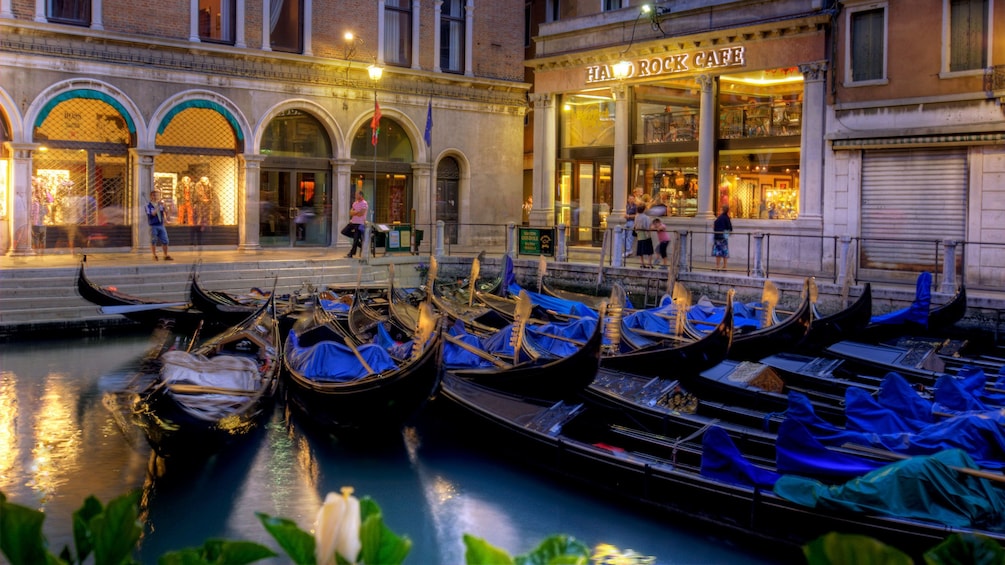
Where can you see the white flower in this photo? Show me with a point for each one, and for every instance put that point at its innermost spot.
(336, 529)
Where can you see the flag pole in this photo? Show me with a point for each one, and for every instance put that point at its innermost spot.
(432, 189)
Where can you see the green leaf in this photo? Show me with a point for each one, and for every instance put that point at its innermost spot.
(481, 552)
(966, 548)
(298, 544)
(116, 531)
(850, 549)
(218, 552)
(21, 537)
(380, 544)
(82, 536)
(557, 550)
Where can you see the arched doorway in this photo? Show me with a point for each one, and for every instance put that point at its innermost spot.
(448, 179)
(196, 173)
(81, 167)
(296, 188)
(390, 160)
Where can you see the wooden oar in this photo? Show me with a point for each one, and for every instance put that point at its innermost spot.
(659, 335)
(199, 389)
(472, 349)
(195, 337)
(561, 338)
(996, 477)
(128, 308)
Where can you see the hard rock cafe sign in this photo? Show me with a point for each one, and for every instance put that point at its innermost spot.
(673, 64)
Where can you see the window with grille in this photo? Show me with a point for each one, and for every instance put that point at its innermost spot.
(82, 168)
(286, 22)
(867, 45)
(398, 32)
(196, 175)
(77, 12)
(452, 36)
(217, 19)
(968, 35)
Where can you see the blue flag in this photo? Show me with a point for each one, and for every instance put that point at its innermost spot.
(429, 124)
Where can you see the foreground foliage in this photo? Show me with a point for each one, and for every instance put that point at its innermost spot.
(350, 530)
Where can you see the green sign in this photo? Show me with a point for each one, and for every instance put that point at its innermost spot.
(536, 241)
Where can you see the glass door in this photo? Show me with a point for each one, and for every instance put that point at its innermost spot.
(295, 208)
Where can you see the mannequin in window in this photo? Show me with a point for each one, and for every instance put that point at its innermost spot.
(184, 196)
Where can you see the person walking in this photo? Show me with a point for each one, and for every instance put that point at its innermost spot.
(155, 217)
(357, 218)
(40, 203)
(720, 238)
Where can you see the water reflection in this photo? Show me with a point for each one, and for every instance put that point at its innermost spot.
(65, 435)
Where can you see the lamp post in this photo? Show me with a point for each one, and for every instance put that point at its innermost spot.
(375, 71)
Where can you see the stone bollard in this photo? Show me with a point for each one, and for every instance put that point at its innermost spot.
(561, 249)
(949, 266)
(758, 255)
(843, 259)
(617, 254)
(511, 239)
(439, 238)
(682, 263)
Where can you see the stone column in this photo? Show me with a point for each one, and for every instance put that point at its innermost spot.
(811, 157)
(97, 11)
(20, 186)
(308, 28)
(416, 26)
(239, 32)
(422, 196)
(144, 175)
(706, 147)
(266, 25)
(619, 175)
(379, 48)
(40, 11)
(250, 201)
(193, 21)
(545, 153)
(345, 193)
(469, 35)
(437, 10)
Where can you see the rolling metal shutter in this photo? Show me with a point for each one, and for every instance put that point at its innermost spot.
(911, 201)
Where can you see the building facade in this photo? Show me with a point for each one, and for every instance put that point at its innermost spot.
(812, 119)
(256, 120)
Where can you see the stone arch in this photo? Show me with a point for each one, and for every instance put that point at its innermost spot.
(415, 136)
(332, 129)
(198, 99)
(14, 121)
(86, 88)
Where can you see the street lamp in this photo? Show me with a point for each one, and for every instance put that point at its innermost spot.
(375, 71)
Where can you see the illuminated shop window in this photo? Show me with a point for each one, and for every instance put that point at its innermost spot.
(761, 104)
(668, 180)
(587, 120)
(759, 185)
(667, 113)
(196, 171)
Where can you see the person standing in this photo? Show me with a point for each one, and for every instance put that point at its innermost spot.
(631, 210)
(663, 236)
(155, 217)
(357, 218)
(644, 247)
(720, 238)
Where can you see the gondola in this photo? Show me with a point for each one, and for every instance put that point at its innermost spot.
(542, 372)
(668, 355)
(843, 324)
(776, 337)
(222, 306)
(692, 482)
(361, 389)
(919, 318)
(182, 316)
(223, 389)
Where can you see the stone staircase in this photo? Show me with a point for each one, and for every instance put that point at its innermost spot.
(43, 301)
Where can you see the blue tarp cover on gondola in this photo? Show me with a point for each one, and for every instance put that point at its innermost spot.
(398, 350)
(456, 357)
(925, 488)
(577, 330)
(744, 315)
(329, 361)
(976, 433)
(547, 302)
(798, 452)
(917, 312)
(722, 461)
(657, 320)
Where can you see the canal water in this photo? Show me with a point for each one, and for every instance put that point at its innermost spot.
(63, 437)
